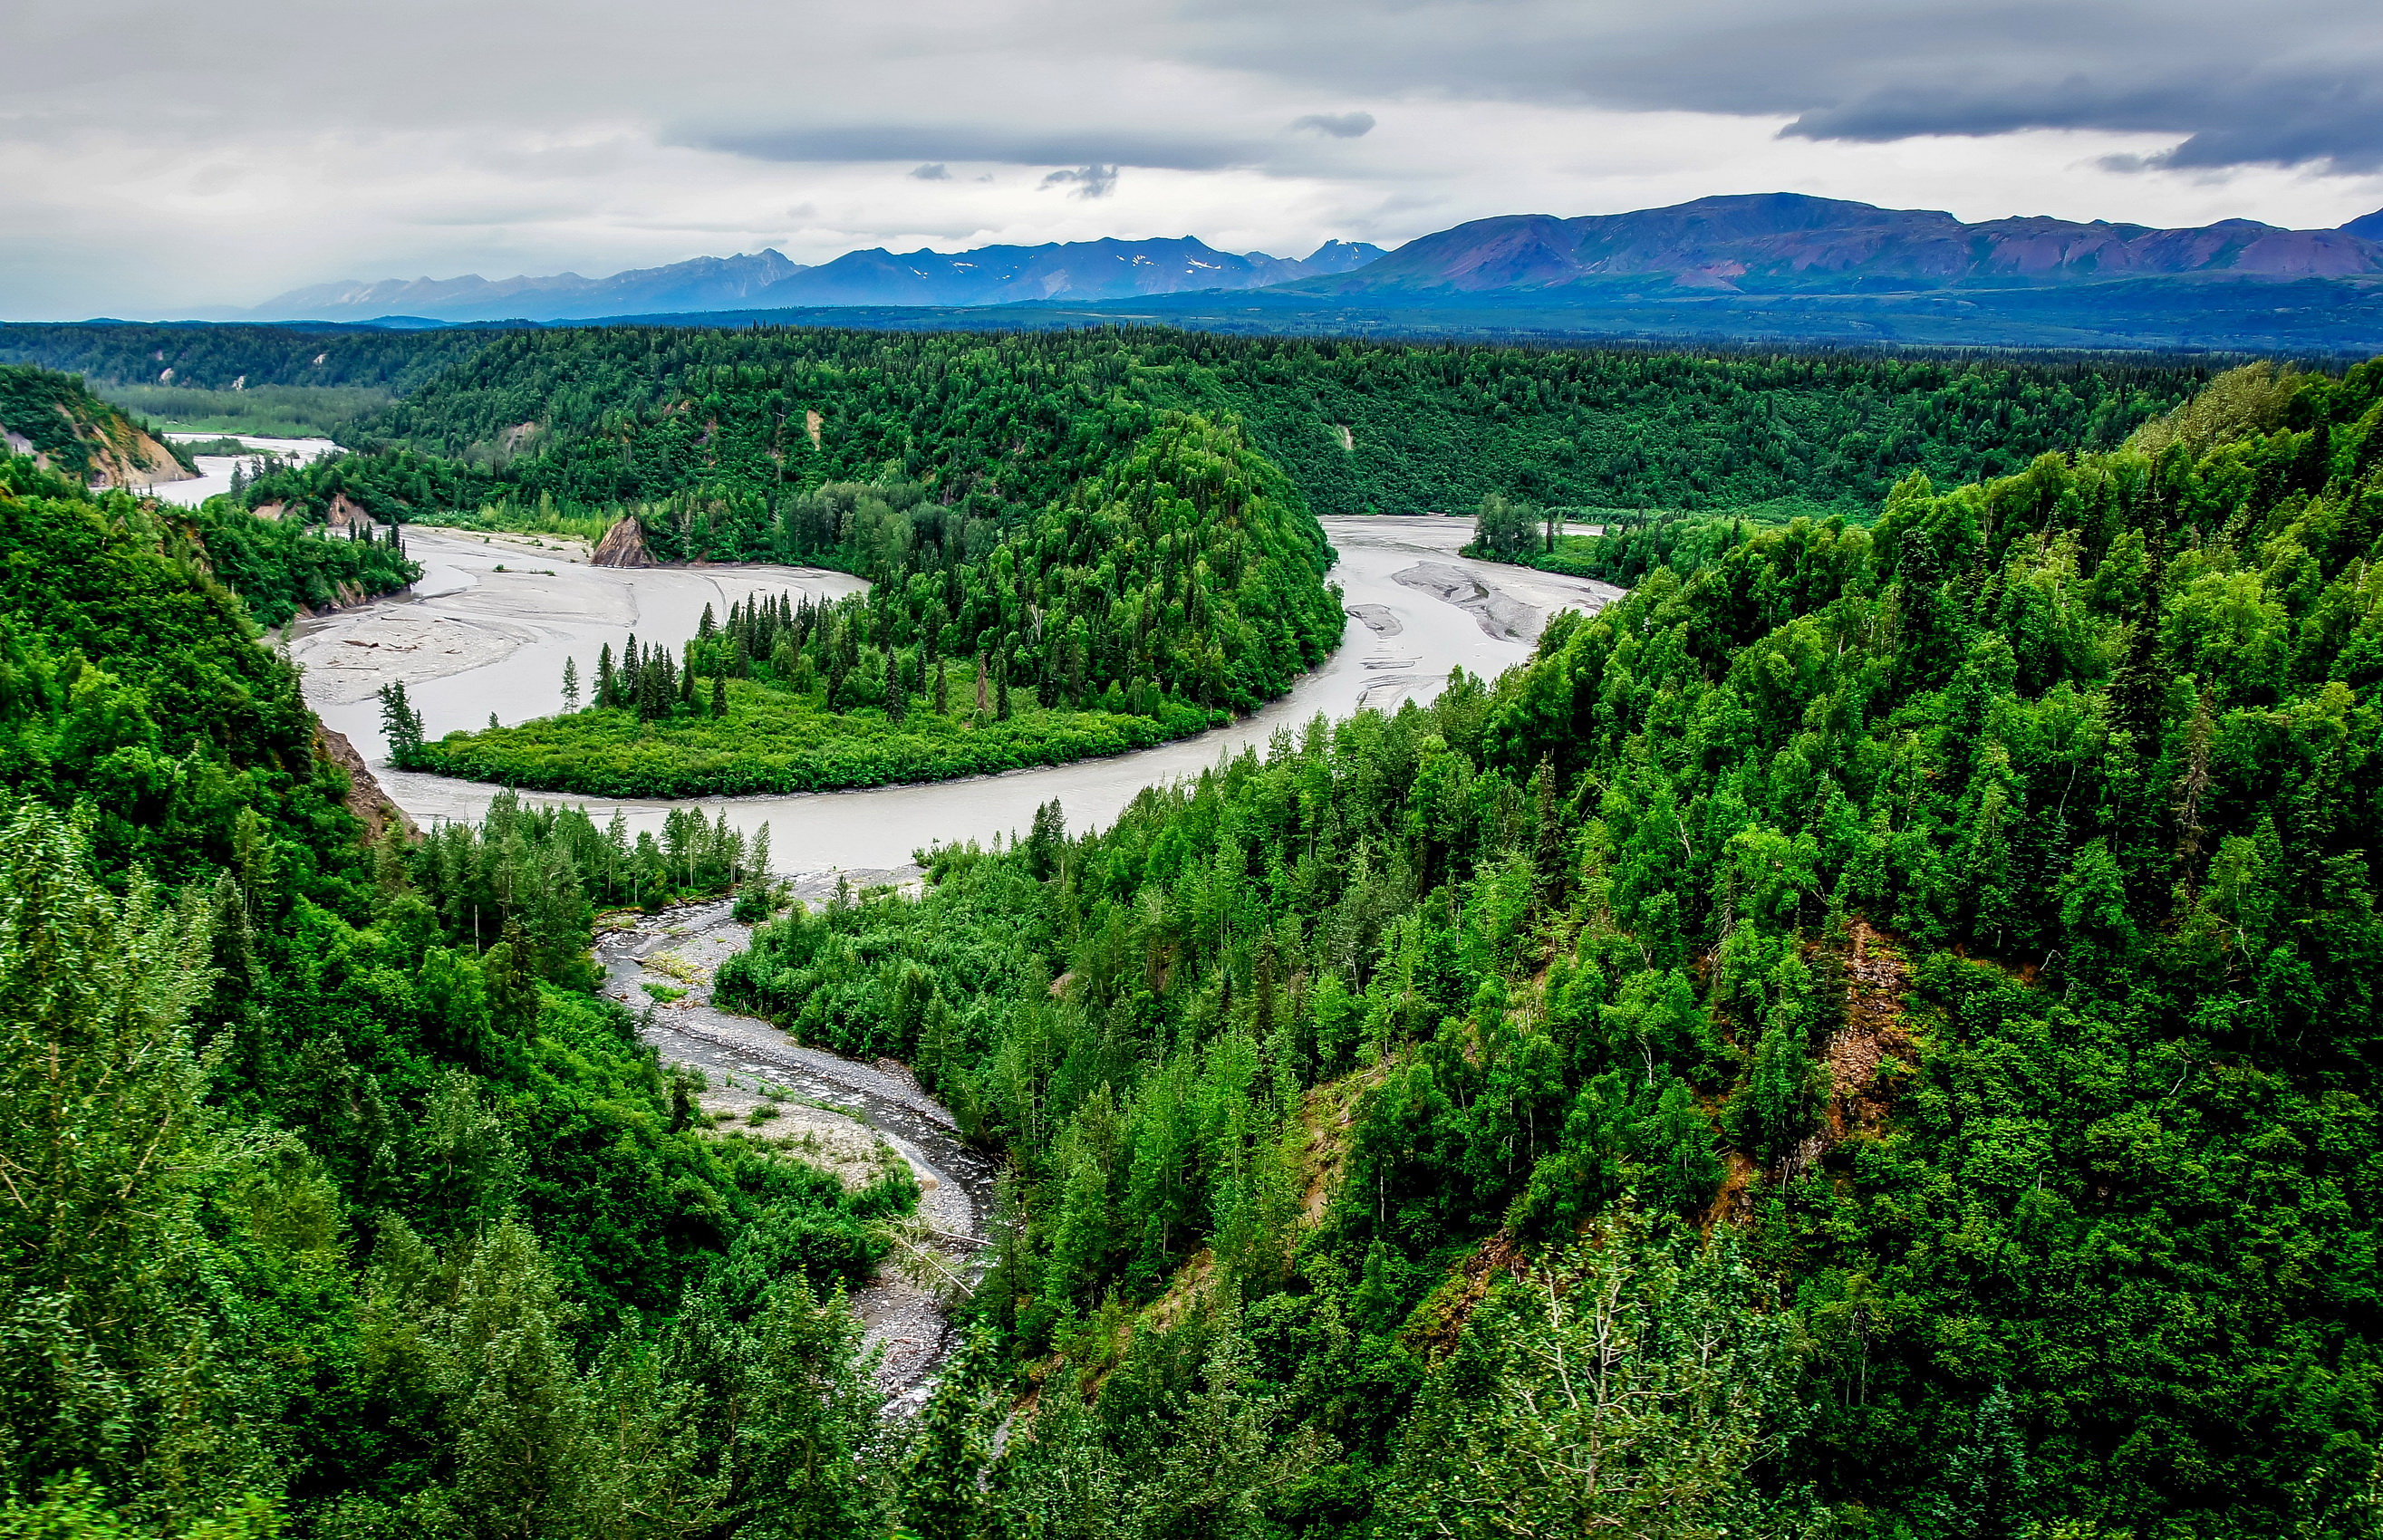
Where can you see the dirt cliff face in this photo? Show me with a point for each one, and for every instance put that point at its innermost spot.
(366, 798)
(124, 456)
(623, 546)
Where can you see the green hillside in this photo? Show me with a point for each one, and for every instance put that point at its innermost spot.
(1930, 966)
(52, 418)
(337, 1205)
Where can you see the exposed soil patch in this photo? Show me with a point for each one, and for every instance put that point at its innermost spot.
(1327, 1123)
(1437, 1323)
(366, 798)
(1876, 982)
(623, 546)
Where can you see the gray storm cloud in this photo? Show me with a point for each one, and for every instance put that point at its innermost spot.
(535, 133)
(1089, 181)
(2293, 82)
(1339, 125)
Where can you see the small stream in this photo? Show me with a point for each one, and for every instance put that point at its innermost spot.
(745, 1060)
(487, 631)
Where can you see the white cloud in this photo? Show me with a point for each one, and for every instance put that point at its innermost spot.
(155, 161)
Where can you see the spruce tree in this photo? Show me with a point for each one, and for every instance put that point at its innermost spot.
(1989, 1493)
(401, 725)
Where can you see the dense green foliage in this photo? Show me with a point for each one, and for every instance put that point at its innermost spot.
(768, 740)
(268, 410)
(1438, 428)
(628, 415)
(1968, 922)
(1041, 503)
(226, 357)
(328, 1184)
(280, 566)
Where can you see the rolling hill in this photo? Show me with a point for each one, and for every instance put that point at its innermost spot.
(53, 418)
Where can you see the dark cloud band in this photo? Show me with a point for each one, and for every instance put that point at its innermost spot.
(2335, 120)
(972, 143)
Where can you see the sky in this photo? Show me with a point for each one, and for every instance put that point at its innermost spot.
(160, 160)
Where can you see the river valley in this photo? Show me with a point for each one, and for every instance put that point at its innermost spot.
(485, 632)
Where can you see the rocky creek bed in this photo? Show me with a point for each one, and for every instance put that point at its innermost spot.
(840, 1113)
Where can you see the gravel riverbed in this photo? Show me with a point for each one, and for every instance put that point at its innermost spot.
(840, 1113)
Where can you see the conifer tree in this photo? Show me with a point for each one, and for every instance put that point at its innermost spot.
(401, 725)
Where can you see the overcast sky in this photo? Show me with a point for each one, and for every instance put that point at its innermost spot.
(154, 159)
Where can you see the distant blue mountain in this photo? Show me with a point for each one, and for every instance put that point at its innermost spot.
(706, 283)
(990, 276)
(1078, 271)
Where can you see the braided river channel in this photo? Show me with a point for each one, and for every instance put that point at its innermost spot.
(487, 630)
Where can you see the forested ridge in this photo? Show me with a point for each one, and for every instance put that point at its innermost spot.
(1930, 964)
(220, 357)
(337, 1203)
(1118, 524)
(625, 415)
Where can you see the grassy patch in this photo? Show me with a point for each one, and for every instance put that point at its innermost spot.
(778, 741)
(512, 519)
(666, 994)
(268, 410)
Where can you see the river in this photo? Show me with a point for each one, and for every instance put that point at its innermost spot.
(486, 633)
(215, 470)
(487, 630)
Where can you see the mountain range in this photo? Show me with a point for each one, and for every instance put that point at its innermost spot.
(1077, 271)
(1785, 242)
(1766, 266)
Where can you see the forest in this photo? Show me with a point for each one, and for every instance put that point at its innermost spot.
(1898, 1001)
(621, 417)
(1117, 524)
(337, 1204)
(1359, 426)
(1872, 1034)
